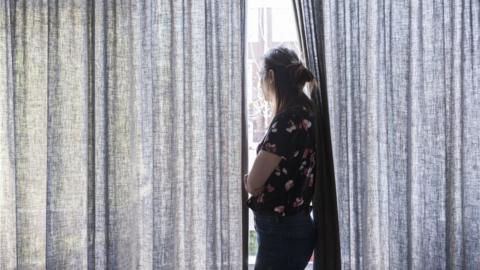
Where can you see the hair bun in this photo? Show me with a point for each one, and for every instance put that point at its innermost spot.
(300, 73)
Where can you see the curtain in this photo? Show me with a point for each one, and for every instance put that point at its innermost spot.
(327, 253)
(403, 80)
(120, 134)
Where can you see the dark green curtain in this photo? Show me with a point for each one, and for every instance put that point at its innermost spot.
(327, 251)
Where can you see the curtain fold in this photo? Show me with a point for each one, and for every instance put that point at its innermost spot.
(327, 250)
(120, 134)
(403, 83)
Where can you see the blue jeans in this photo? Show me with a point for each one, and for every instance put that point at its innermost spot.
(284, 243)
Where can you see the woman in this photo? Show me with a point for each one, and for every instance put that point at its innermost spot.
(281, 180)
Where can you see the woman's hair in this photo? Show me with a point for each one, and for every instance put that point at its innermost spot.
(290, 77)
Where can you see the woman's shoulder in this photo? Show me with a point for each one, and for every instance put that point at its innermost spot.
(294, 113)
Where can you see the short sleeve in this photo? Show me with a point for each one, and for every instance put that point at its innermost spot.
(282, 137)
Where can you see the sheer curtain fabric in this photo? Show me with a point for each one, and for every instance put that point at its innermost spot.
(120, 134)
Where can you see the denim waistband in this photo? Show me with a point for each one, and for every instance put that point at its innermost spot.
(276, 217)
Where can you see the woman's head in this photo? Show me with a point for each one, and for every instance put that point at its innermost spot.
(283, 77)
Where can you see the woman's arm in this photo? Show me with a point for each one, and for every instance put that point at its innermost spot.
(262, 168)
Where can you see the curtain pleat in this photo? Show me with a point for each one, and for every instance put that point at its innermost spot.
(327, 253)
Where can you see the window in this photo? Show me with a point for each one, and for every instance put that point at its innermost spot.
(270, 23)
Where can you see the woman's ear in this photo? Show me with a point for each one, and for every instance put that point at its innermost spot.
(271, 76)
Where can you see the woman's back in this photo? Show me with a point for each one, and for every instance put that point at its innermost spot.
(289, 189)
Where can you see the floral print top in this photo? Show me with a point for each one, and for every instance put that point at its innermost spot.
(289, 189)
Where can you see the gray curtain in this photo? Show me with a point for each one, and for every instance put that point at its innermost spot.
(327, 253)
(403, 80)
(120, 134)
